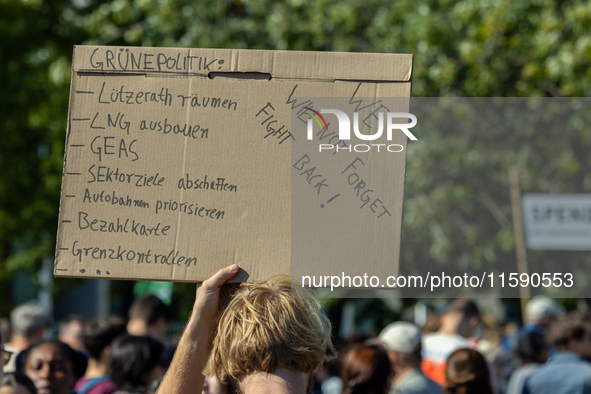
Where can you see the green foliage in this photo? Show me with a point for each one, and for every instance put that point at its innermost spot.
(457, 203)
(461, 48)
(35, 53)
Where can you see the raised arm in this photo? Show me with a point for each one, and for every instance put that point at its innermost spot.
(184, 375)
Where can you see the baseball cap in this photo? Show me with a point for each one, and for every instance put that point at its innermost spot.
(401, 337)
(541, 306)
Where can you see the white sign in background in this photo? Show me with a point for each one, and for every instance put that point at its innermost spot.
(557, 221)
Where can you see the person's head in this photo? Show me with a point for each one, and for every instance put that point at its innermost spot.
(432, 324)
(135, 362)
(466, 372)
(99, 333)
(462, 317)
(542, 310)
(17, 383)
(53, 366)
(572, 332)
(366, 369)
(403, 342)
(29, 321)
(265, 329)
(71, 331)
(532, 348)
(148, 316)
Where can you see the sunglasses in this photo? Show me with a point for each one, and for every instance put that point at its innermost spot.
(6, 355)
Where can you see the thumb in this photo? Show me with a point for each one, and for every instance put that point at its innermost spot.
(220, 277)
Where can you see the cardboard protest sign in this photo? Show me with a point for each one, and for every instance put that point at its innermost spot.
(178, 161)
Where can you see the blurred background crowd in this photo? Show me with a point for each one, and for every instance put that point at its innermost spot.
(459, 351)
(457, 210)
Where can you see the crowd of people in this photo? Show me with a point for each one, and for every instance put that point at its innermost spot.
(263, 338)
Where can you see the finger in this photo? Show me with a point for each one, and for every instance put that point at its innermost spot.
(220, 277)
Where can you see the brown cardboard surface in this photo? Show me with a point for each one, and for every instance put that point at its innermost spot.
(148, 133)
(347, 205)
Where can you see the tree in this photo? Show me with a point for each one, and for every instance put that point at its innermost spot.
(466, 48)
(35, 56)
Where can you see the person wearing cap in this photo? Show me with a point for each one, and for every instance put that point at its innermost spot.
(29, 322)
(540, 313)
(403, 342)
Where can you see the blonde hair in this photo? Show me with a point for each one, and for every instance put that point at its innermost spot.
(265, 328)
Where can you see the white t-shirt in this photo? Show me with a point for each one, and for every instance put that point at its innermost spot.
(436, 348)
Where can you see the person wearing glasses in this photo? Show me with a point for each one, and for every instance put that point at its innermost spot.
(6, 356)
(29, 322)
